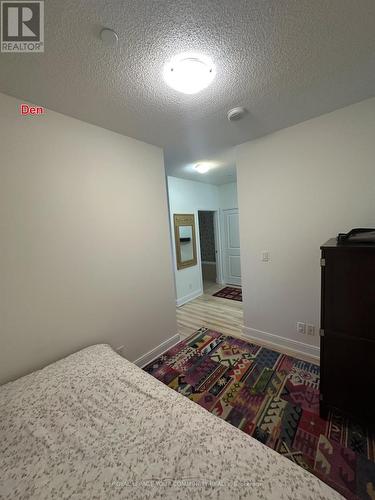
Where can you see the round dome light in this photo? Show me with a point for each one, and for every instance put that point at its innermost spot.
(189, 73)
(202, 168)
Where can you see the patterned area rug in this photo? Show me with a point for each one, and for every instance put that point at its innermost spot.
(275, 399)
(229, 292)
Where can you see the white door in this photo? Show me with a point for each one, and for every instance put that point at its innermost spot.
(231, 247)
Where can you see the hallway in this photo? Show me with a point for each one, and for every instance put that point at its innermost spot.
(222, 315)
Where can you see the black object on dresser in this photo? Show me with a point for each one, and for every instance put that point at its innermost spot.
(347, 344)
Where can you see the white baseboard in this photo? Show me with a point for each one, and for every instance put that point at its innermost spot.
(154, 353)
(189, 297)
(233, 282)
(228, 283)
(293, 346)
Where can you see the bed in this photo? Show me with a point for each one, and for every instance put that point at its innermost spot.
(95, 426)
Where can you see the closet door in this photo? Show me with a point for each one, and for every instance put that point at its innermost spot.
(231, 247)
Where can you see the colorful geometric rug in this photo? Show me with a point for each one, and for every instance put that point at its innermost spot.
(229, 292)
(274, 398)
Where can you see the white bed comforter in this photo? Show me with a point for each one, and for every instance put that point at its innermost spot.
(95, 426)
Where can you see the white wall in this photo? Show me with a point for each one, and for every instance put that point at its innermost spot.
(80, 209)
(297, 188)
(188, 197)
(228, 196)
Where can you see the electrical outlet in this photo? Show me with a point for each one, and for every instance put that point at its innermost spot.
(301, 328)
(190, 286)
(310, 329)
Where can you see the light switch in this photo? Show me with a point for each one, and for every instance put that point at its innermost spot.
(265, 256)
(301, 327)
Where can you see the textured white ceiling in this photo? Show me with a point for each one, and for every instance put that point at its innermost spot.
(222, 168)
(284, 60)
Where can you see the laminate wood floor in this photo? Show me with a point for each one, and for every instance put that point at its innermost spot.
(222, 315)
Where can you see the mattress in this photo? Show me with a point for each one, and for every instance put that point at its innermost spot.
(95, 426)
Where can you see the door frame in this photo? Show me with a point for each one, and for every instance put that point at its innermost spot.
(218, 245)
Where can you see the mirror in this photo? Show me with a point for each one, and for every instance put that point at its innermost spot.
(184, 231)
(186, 243)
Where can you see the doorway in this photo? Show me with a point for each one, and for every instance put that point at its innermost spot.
(208, 237)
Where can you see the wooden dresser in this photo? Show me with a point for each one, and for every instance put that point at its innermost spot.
(347, 344)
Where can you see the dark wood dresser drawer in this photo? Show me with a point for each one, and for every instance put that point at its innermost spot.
(347, 375)
(347, 358)
(349, 298)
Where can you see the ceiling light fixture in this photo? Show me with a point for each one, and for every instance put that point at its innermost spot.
(189, 73)
(202, 168)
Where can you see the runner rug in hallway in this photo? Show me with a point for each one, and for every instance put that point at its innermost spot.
(274, 398)
(230, 292)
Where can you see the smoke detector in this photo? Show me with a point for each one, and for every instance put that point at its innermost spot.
(236, 114)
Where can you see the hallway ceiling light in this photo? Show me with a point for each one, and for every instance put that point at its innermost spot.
(202, 168)
(189, 73)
